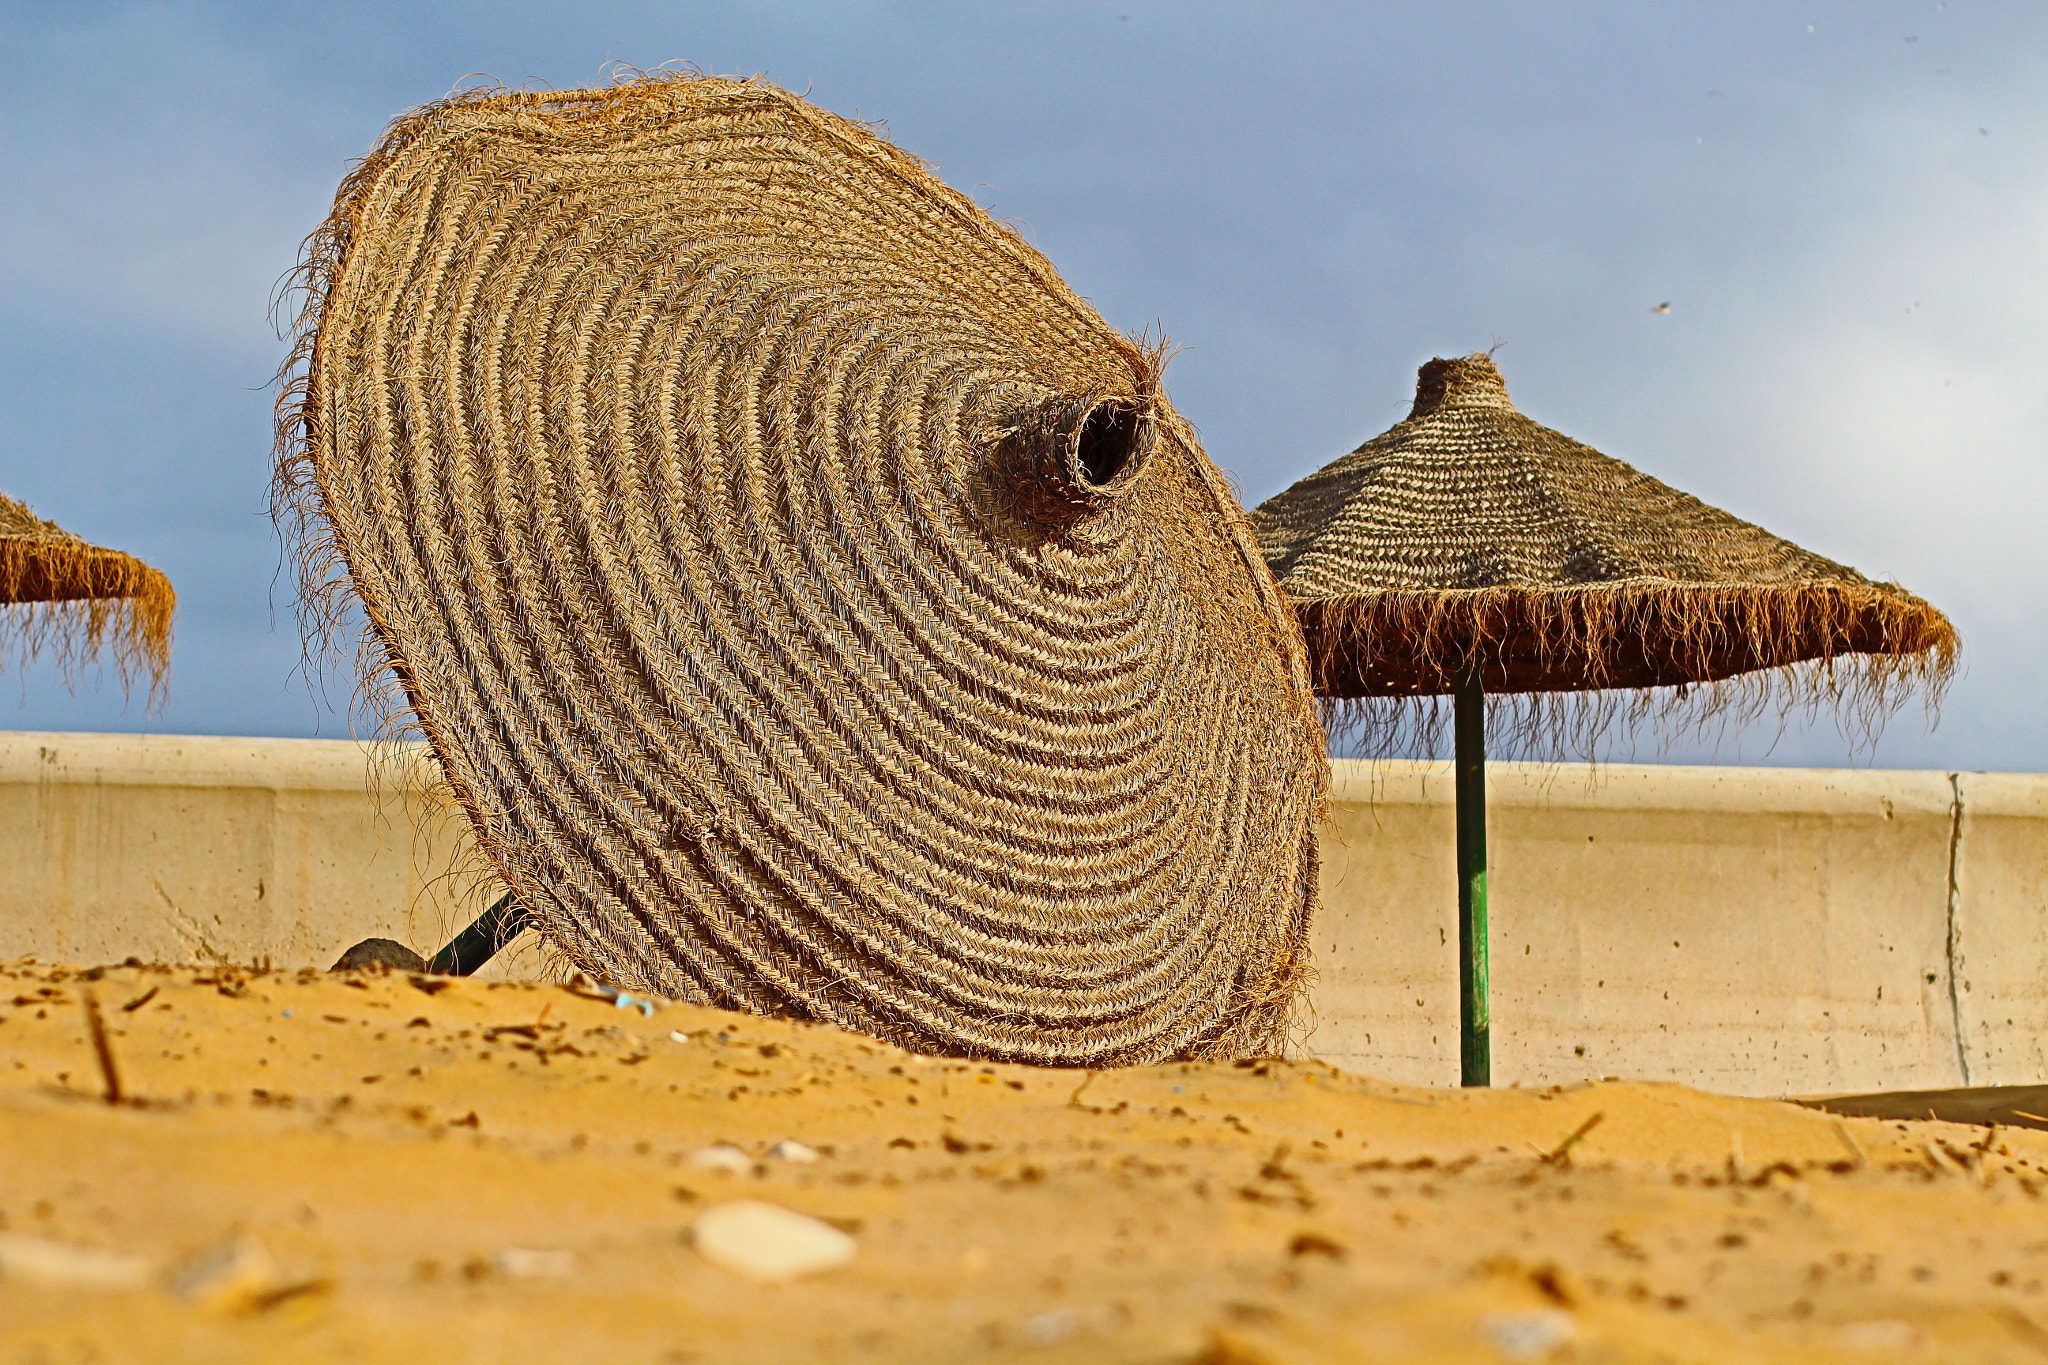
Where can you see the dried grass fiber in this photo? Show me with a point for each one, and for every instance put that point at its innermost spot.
(1469, 532)
(816, 607)
(62, 594)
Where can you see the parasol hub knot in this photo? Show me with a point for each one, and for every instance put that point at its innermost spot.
(1467, 381)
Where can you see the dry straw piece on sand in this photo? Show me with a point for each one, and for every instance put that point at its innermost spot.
(61, 593)
(817, 608)
(1470, 533)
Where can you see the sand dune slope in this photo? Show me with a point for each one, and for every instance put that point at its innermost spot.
(384, 1168)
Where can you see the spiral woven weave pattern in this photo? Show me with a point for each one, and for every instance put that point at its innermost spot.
(818, 609)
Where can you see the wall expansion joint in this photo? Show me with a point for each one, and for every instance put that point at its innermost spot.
(1954, 946)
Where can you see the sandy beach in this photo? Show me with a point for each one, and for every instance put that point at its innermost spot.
(391, 1168)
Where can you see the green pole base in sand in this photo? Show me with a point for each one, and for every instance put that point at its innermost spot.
(1475, 1039)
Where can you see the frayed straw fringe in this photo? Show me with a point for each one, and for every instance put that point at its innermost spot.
(1564, 667)
(72, 600)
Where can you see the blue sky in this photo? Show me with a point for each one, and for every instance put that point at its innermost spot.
(1844, 204)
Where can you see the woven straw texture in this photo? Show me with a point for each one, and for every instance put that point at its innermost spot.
(1469, 531)
(63, 594)
(818, 609)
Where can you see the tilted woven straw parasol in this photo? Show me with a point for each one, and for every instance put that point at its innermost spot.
(1469, 550)
(817, 608)
(63, 593)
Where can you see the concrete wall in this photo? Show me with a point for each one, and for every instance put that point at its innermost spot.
(1751, 930)
(182, 848)
(2001, 927)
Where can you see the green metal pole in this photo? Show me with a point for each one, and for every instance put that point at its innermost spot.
(1475, 1041)
(481, 941)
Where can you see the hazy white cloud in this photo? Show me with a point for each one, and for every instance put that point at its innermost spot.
(1313, 197)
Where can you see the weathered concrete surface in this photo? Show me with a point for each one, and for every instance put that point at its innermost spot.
(2001, 926)
(1749, 930)
(195, 848)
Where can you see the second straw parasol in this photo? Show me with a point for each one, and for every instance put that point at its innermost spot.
(1469, 550)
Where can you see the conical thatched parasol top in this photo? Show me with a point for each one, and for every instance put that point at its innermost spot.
(1470, 532)
(817, 608)
(72, 597)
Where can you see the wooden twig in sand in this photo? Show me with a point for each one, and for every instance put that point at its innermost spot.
(101, 1048)
(1561, 1155)
(1849, 1141)
(1942, 1159)
(1980, 1156)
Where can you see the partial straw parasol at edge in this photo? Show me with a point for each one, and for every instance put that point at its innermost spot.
(1469, 534)
(69, 596)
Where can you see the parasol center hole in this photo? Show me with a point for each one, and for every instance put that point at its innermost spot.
(1107, 443)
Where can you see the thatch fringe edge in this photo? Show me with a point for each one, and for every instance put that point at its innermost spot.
(1861, 651)
(72, 600)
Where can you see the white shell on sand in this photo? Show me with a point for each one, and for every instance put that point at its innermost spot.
(768, 1242)
(722, 1156)
(38, 1260)
(1050, 1328)
(533, 1263)
(228, 1277)
(1528, 1336)
(789, 1149)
